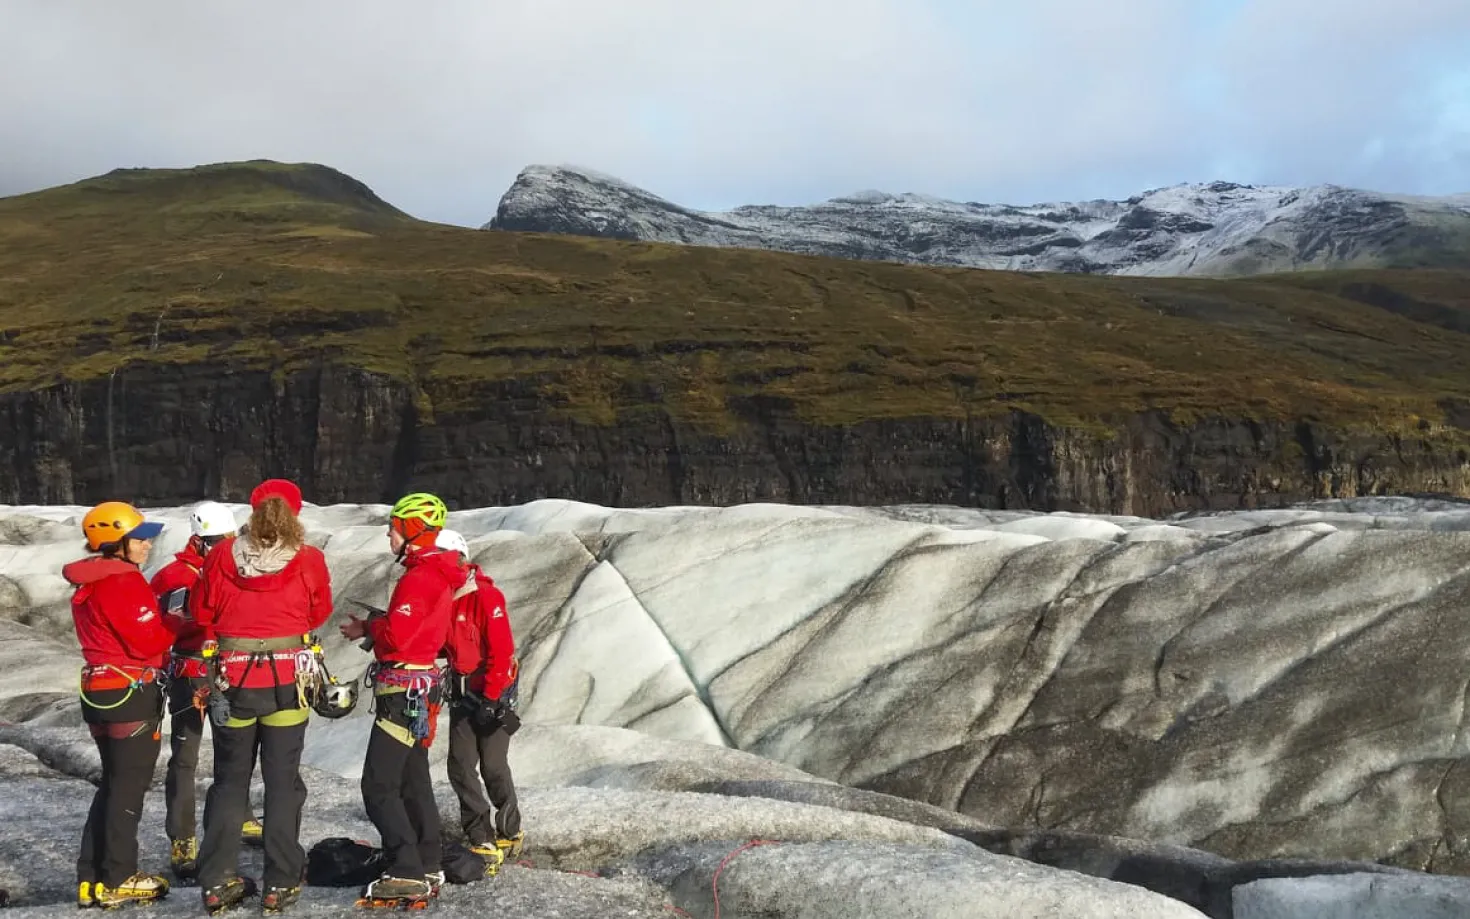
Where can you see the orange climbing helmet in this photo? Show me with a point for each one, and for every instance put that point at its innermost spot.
(113, 521)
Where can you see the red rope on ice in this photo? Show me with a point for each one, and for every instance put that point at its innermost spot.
(726, 860)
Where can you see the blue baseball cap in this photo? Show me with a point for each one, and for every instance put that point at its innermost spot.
(148, 529)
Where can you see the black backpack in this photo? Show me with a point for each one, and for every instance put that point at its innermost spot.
(342, 862)
(461, 866)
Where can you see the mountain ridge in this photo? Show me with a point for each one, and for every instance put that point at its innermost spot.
(212, 326)
(205, 199)
(1216, 228)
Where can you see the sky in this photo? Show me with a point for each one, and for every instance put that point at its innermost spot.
(716, 103)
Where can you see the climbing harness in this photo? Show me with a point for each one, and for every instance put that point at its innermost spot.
(420, 687)
(95, 678)
(256, 652)
(398, 677)
(185, 666)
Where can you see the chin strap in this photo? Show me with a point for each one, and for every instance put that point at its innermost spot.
(407, 543)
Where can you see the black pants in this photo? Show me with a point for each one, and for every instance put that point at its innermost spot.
(228, 802)
(398, 794)
(473, 753)
(185, 737)
(183, 741)
(128, 742)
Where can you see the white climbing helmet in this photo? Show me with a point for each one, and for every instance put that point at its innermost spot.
(212, 519)
(452, 541)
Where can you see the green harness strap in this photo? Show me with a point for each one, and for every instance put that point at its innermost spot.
(284, 718)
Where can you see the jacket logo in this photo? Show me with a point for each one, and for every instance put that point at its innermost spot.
(405, 608)
(147, 614)
(499, 613)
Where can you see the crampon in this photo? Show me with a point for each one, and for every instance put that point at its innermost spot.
(227, 896)
(493, 855)
(397, 893)
(421, 902)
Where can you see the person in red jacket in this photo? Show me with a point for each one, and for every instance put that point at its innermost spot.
(482, 718)
(188, 687)
(124, 639)
(406, 640)
(260, 597)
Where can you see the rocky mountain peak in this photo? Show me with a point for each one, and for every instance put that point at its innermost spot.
(1207, 228)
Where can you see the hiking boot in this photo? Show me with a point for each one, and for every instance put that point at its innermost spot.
(511, 848)
(276, 899)
(183, 858)
(140, 888)
(84, 895)
(227, 895)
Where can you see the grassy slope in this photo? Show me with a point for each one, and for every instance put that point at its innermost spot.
(266, 265)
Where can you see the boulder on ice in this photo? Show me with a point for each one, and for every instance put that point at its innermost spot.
(1355, 896)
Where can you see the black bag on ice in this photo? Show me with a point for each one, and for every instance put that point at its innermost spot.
(342, 862)
(461, 866)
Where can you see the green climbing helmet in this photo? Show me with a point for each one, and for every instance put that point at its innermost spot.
(421, 506)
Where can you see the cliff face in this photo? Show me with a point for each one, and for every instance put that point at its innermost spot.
(160, 434)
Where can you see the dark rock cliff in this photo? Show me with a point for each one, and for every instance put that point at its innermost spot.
(172, 434)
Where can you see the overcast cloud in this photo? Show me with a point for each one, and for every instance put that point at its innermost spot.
(714, 103)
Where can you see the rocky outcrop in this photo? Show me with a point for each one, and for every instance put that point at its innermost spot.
(171, 433)
(1194, 708)
(1216, 228)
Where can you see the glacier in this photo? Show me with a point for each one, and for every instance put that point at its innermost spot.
(1206, 228)
(1211, 714)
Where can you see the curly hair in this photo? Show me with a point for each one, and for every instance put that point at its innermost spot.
(273, 524)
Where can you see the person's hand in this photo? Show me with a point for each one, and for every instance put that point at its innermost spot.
(353, 628)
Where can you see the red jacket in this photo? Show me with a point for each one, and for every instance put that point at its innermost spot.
(480, 640)
(291, 601)
(415, 628)
(182, 572)
(116, 614)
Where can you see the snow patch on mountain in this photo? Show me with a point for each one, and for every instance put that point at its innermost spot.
(1214, 228)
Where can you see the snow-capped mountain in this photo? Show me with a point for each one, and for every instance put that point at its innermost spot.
(1218, 228)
